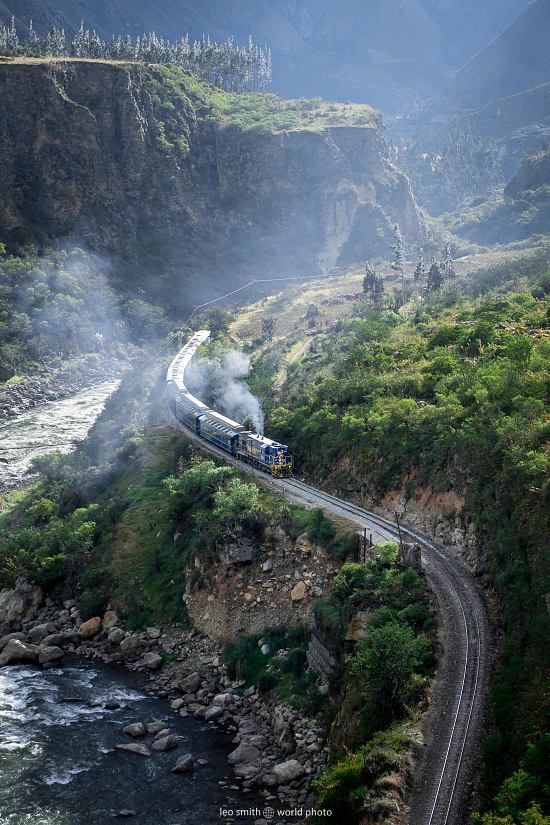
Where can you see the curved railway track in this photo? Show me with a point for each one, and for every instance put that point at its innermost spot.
(453, 726)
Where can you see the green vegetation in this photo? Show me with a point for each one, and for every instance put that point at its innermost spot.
(359, 779)
(122, 518)
(60, 306)
(451, 394)
(175, 91)
(383, 679)
(283, 669)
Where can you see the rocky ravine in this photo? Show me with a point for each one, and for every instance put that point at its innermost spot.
(135, 161)
(277, 751)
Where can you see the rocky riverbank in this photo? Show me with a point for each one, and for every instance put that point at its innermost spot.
(34, 390)
(277, 751)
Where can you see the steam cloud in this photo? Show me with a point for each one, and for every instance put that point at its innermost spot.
(221, 386)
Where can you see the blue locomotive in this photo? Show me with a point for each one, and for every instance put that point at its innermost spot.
(230, 436)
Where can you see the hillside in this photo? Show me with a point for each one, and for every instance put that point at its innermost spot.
(440, 408)
(387, 53)
(174, 180)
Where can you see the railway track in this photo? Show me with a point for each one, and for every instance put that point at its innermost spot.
(443, 780)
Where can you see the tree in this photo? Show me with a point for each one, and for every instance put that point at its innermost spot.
(268, 327)
(385, 664)
(373, 285)
(420, 270)
(447, 264)
(435, 277)
(398, 263)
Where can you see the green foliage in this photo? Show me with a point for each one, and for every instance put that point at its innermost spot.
(284, 669)
(449, 396)
(60, 306)
(385, 665)
(320, 529)
(350, 782)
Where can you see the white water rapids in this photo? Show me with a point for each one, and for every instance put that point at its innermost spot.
(51, 427)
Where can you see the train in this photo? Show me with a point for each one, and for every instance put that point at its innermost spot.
(230, 436)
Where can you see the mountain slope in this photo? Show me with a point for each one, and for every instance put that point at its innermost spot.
(183, 184)
(386, 52)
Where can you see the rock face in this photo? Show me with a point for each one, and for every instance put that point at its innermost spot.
(89, 147)
(20, 603)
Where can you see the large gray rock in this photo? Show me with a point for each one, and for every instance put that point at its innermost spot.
(135, 747)
(282, 732)
(288, 771)
(18, 652)
(49, 653)
(213, 712)
(53, 639)
(243, 754)
(129, 645)
(22, 637)
(191, 684)
(185, 764)
(40, 631)
(134, 729)
(166, 743)
(152, 661)
(116, 636)
(110, 619)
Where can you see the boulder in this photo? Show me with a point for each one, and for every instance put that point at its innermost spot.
(135, 729)
(243, 754)
(152, 661)
(110, 619)
(213, 712)
(53, 639)
(125, 812)
(116, 636)
(18, 652)
(166, 743)
(222, 699)
(177, 704)
(304, 545)
(49, 653)
(129, 645)
(154, 727)
(185, 764)
(286, 772)
(267, 566)
(22, 637)
(89, 629)
(298, 592)
(191, 684)
(39, 632)
(152, 632)
(282, 732)
(135, 747)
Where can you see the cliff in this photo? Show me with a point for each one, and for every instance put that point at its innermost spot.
(185, 183)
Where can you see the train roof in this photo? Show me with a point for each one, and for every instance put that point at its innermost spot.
(217, 418)
(266, 442)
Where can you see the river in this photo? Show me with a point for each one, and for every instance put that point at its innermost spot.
(58, 764)
(53, 426)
